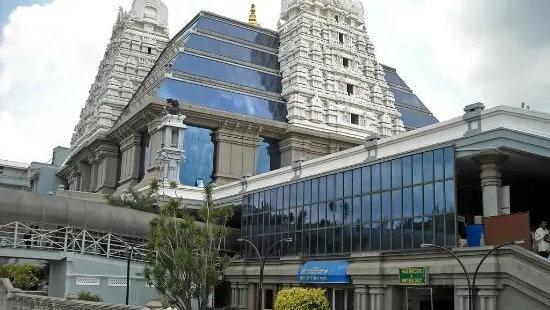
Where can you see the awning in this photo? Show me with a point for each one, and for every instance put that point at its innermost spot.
(327, 271)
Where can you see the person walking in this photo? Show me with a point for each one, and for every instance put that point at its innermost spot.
(542, 237)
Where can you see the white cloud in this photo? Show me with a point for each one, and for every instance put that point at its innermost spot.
(445, 50)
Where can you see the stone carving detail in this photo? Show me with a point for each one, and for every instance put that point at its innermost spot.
(127, 60)
(330, 70)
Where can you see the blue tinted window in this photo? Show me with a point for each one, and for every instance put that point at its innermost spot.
(386, 206)
(386, 175)
(376, 207)
(348, 183)
(438, 164)
(415, 119)
(300, 194)
(439, 203)
(407, 202)
(407, 170)
(199, 156)
(365, 209)
(229, 73)
(218, 99)
(393, 78)
(449, 162)
(450, 196)
(315, 190)
(307, 192)
(406, 98)
(293, 195)
(230, 50)
(339, 185)
(428, 199)
(268, 156)
(279, 198)
(376, 177)
(357, 181)
(330, 187)
(365, 176)
(417, 201)
(238, 32)
(357, 210)
(396, 174)
(396, 204)
(417, 168)
(286, 196)
(322, 189)
(427, 166)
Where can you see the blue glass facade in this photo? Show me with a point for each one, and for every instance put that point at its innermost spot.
(199, 156)
(226, 49)
(224, 100)
(268, 158)
(415, 119)
(229, 73)
(238, 32)
(393, 205)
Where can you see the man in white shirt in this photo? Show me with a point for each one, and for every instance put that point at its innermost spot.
(542, 236)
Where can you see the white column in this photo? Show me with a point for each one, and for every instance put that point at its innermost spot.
(487, 299)
(491, 181)
(361, 297)
(376, 298)
(462, 298)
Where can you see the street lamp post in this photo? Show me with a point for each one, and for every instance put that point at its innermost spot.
(474, 291)
(471, 286)
(128, 273)
(262, 263)
(428, 245)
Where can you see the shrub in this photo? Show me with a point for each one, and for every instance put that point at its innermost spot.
(87, 296)
(25, 277)
(299, 298)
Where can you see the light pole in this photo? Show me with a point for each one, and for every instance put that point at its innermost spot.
(474, 291)
(429, 245)
(262, 263)
(471, 286)
(128, 273)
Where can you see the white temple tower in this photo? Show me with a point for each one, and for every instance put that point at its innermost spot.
(331, 78)
(138, 38)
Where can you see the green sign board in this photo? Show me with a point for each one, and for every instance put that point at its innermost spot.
(413, 276)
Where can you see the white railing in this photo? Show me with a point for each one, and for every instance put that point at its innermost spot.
(31, 236)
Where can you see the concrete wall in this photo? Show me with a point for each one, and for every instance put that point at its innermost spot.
(513, 299)
(105, 270)
(13, 299)
(57, 279)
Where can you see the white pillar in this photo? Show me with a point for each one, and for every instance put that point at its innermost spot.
(462, 298)
(491, 181)
(487, 299)
(171, 153)
(361, 297)
(376, 298)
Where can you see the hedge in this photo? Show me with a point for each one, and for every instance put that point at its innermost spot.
(299, 298)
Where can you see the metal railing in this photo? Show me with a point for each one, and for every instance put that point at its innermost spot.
(19, 235)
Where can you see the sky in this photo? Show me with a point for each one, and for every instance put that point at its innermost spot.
(451, 53)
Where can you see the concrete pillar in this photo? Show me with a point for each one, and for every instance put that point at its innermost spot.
(234, 294)
(236, 149)
(85, 177)
(487, 299)
(491, 181)
(152, 171)
(130, 149)
(361, 298)
(376, 298)
(107, 165)
(462, 298)
(171, 152)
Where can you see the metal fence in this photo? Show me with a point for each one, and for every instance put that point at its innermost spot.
(19, 235)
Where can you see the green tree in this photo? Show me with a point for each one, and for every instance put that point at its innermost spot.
(145, 200)
(25, 277)
(185, 259)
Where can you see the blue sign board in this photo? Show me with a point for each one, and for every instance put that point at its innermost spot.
(324, 272)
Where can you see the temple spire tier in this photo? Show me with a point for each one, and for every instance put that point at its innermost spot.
(331, 77)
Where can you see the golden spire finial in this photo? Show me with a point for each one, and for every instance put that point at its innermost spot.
(252, 19)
